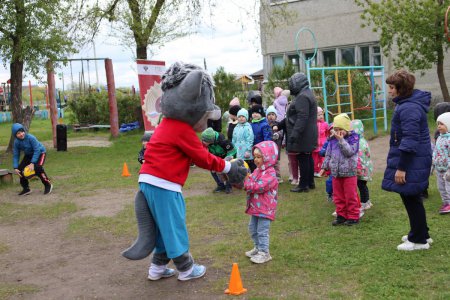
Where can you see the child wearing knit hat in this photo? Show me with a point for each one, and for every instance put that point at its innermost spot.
(144, 140)
(322, 128)
(341, 159)
(243, 138)
(232, 120)
(221, 147)
(277, 137)
(441, 158)
(261, 129)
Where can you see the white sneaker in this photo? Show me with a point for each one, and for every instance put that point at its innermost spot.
(405, 238)
(334, 214)
(251, 253)
(408, 246)
(367, 205)
(294, 182)
(361, 212)
(261, 257)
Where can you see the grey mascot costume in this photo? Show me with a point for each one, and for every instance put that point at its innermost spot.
(187, 103)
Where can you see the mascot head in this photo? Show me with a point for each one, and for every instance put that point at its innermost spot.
(188, 95)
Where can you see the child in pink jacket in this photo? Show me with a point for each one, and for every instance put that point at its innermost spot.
(262, 198)
(322, 128)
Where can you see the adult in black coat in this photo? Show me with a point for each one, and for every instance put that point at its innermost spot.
(300, 126)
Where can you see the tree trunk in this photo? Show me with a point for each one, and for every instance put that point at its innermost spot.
(19, 115)
(141, 51)
(441, 76)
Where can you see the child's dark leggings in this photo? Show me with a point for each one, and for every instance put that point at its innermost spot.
(363, 191)
(38, 167)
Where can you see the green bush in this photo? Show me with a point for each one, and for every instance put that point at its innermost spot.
(93, 108)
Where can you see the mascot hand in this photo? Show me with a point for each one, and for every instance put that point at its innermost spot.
(237, 172)
(145, 242)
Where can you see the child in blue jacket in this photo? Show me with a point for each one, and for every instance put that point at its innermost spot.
(34, 158)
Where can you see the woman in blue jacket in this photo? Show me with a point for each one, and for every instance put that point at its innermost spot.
(34, 158)
(409, 158)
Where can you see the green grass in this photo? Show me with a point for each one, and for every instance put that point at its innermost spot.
(12, 212)
(311, 258)
(10, 289)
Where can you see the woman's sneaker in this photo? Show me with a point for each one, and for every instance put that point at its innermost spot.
(48, 189)
(405, 238)
(197, 272)
(251, 253)
(261, 257)
(409, 246)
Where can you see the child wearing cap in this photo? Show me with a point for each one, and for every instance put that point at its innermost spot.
(243, 138)
(144, 140)
(277, 137)
(221, 147)
(34, 158)
(441, 160)
(280, 103)
(261, 129)
(341, 159)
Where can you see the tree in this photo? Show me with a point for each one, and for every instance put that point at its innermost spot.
(151, 22)
(226, 88)
(416, 28)
(32, 32)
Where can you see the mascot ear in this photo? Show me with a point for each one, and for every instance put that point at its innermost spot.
(191, 87)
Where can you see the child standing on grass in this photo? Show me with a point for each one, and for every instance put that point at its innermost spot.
(341, 159)
(322, 152)
(34, 158)
(243, 138)
(262, 198)
(441, 160)
(261, 129)
(322, 128)
(365, 166)
(277, 137)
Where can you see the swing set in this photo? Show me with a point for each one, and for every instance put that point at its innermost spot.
(341, 100)
(113, 113)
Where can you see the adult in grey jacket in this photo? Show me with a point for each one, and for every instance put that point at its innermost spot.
(300, 125)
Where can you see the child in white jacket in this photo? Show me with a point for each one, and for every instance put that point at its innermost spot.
(441, 161)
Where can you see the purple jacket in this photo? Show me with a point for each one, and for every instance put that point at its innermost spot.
(341, 157)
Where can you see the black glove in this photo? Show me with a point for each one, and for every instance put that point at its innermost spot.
(237, 172)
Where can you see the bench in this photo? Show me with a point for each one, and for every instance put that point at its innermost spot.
(77, 127)
(6, 176)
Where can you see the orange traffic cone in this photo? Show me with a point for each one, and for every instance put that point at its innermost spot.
(235, 286)
(125, 172)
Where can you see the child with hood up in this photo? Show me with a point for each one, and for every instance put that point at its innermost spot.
(262, 198)
(280, 103)
(365, 166)
(34, 158)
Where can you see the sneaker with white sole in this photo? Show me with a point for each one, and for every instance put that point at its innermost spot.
(165, 274)
(48, 189)
(334, 214)
(405, 238)
(197, 272)
(409, 246)
(261, 257)
(251, 253)
(25, 192)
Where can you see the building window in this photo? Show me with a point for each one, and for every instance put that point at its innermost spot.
(348, 56)
(376, 55)
(294, 60)
(278, 61)
(312, 63)
(329, 57)
(370, 55)
(365, 56)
